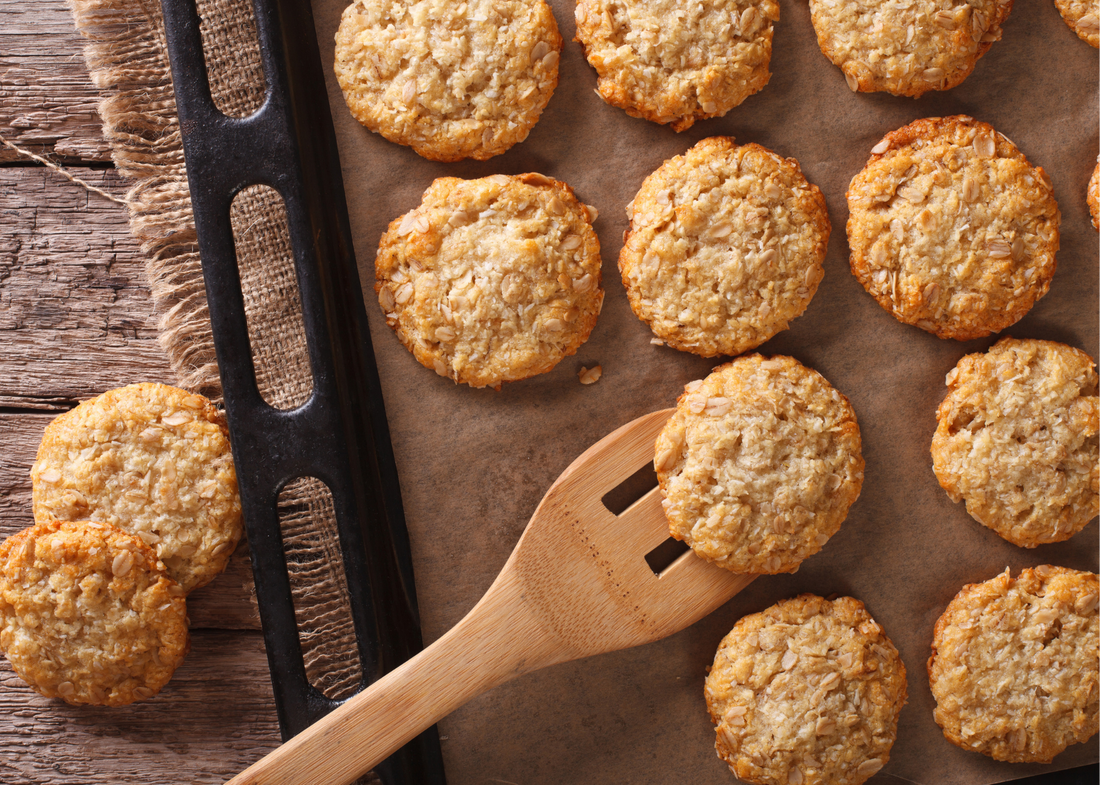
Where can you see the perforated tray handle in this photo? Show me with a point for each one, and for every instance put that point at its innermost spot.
(339, 435)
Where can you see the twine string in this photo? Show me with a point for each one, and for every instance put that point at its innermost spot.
(24, 153)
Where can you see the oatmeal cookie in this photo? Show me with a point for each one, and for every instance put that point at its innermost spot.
(154, 461)
(1017, 440)
(725, 247)
(951, 229)
(759, 464)
(1093, 197)
(1014, 664)
(673, 62)
(906, 49)
(451, 80)
(1083, 18)
(491, 280)
(806, 693)
(87, 613)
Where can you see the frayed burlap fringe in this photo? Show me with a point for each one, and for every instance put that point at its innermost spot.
(126, 53)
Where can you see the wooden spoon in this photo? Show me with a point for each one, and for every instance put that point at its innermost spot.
(577, 584)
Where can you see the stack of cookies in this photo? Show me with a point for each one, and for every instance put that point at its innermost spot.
(135, 506)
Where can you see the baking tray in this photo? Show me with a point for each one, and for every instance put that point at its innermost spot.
(475, 463)
(340, 435)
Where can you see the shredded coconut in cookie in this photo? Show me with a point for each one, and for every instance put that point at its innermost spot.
(675, 62)
(1017, 440)
(491, 280)
(1083, 17)
(87, 613)
(152, 460)
(725, 247)
(906, 48)
(759, 464)
(1014, 664)
(806, 693)
(452, 80)
(951, 229)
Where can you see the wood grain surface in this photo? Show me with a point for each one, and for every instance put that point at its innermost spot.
(47, 101)
(213, 719)
(76, 319)
(75, 316)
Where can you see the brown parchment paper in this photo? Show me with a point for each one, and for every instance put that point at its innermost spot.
(475, 463)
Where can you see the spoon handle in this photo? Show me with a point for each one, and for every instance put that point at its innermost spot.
(499, 639)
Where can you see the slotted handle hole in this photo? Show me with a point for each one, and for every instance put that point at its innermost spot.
(272, 303)
(319, 588)
(230, 45)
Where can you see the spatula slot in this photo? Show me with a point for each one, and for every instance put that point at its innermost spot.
(665, 555)
(634, 487)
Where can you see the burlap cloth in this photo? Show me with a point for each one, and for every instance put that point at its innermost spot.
(127, 57)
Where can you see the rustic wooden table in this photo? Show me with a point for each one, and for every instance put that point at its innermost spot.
(75, 320)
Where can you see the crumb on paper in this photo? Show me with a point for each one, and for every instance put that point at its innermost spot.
(590, 375)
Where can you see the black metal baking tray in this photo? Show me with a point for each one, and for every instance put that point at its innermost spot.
(340, 434)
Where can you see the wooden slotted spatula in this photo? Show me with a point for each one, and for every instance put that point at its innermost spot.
(577, 584)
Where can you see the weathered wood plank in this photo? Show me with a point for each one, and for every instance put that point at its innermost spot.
(214, 717)
(76, 317)
(19, 437)
(47, 100)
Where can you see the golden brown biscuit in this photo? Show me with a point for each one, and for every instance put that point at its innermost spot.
(1017, 440)
(87, 613)
(673, 62)
(806, 693)
(1093, 197)
(491, 280)
(725, 247)
(951, 229)
(154, 461)
(1014, 664)
(1083, 18)
(451, 80)
(759, 464)
(906, 49)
